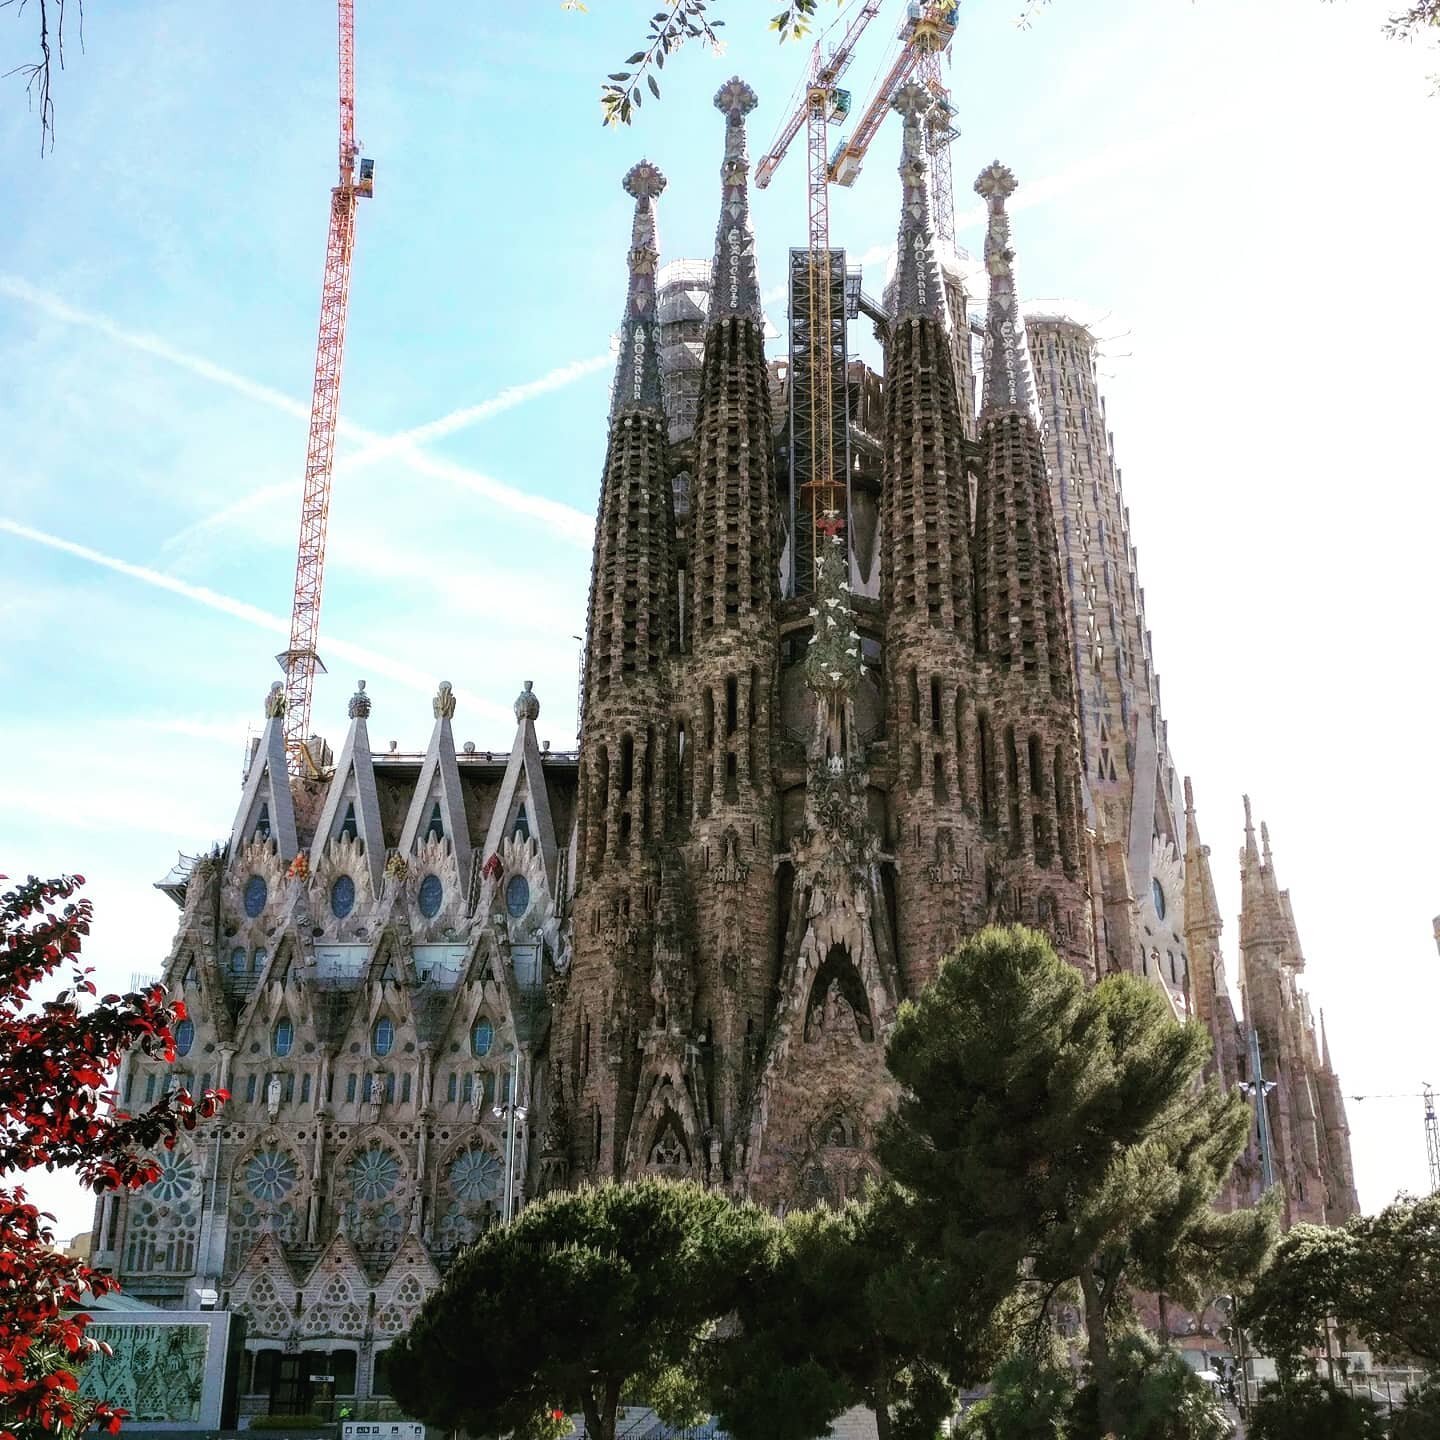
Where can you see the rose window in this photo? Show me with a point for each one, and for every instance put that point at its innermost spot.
(475, 1176)
(271, 1175)
(177, 1174)
(374, 1174)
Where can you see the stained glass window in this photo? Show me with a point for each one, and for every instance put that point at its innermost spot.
(383, 1038)
(435, 830)
(342, 897)
(262, 824)
(374, 1174)
(237, 961)
(482, 1037)
(432, 894)
(256, 893)
(177, 1175)
(1157, 891)
(271, 1175)
(517, 895)
(184, 1037)
(522, 825)
(348, 826)
(475, 1176)
(283, 1038)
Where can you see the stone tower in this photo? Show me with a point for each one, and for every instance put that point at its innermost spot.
(1131, 798)
(1308, 1128)
(1030, 780)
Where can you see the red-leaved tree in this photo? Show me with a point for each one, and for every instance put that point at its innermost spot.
(57, 1110)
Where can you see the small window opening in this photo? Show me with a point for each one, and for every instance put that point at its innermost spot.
(435, 830)
(262, 823)
(522, 825)
(349, 826)
(935, 704)
(732, 705)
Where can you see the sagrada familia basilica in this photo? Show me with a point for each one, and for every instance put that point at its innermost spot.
(818, 748)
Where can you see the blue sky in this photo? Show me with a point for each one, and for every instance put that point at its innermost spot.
(1241, 195)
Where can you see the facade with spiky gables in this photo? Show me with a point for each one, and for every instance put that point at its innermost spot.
(438, 984)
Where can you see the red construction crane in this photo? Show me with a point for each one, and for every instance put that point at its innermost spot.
(924, 37)
(301, 661)
(822, 103)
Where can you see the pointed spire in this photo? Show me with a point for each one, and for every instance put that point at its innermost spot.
(1251, 853)
(918, 291)
(1267, 858)
(1325, 1045)
(735, 286)
(1202, 909)
(353, 793)
(1007, 370)
(637, 375)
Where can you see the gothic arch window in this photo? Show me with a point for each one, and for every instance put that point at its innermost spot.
(262, 822)
(164, 1219)
(342, 897)
(264, 1310)
(373, 1192)
(470, 1191)
(522, 825)
(838, 1003)
(435, 830)
(382, 1037)
(349, 826)
(282, 1038)
(266, 1200)
(185, 1036)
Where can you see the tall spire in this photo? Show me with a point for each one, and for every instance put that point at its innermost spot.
(734, 574)
(735, 289)
(1007, 370)
(917, 275)
(637, 375)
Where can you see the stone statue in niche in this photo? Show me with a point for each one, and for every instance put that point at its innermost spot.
(272, 1097)
(660, 993)
(668, 1152)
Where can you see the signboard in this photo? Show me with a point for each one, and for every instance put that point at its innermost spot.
(381, 1430)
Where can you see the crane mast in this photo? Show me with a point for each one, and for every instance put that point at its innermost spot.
(301, 661)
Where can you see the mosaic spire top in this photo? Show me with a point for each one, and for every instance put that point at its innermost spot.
(918, 292)
(637, 374)
(735, 292)
(1007, 370)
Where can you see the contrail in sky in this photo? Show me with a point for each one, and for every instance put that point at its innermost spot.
(507, 399)
(572, 524)
(360, 655)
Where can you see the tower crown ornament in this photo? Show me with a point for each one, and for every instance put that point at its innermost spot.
(644, 181)
(527, 703)
(275, 701)
(444, 702)
(359, 708)
(996, 181)
(735, 98)
(912, 100)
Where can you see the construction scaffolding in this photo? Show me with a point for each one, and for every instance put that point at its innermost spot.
(819, 432)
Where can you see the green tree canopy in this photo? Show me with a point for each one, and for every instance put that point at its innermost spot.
(851, 1313)
(1376, 1276)
(587, 1297)
(1313, 1409)
(1064, 1132)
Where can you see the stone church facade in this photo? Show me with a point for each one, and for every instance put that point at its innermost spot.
(439, 984)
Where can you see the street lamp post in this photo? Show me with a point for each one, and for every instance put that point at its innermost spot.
(513, 1114)
(1260, 1089)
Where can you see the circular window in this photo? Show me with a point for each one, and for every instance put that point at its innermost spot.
(1158, 895)
(476, 1175)
(517, 895)
(237, 961)
(482, 1037)
(432, 894)
(374, 1174)
(184, 1037)
(283, 1038)
(271, 1175)
(342, 897)
(382, 1041)
(256, 894)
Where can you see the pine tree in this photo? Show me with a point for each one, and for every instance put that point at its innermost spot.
(1059, 1136)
